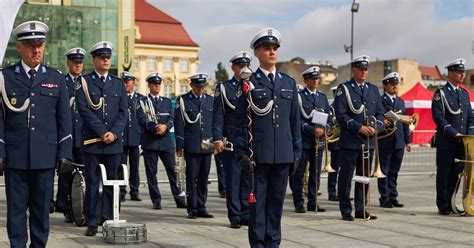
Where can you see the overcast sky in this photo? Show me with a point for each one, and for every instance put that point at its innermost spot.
(433, 32)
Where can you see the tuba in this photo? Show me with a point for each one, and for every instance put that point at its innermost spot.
(394, 117)
(468, 179)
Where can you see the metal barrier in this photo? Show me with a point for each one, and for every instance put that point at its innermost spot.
(422, 158)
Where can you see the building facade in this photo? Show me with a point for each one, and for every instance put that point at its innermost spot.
(163, 45)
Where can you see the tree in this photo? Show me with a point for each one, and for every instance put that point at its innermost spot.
(221, 73)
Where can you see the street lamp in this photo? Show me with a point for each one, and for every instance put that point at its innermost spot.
(354, 8)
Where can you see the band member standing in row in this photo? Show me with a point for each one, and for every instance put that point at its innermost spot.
(335, 161)
(131, 138)
(228, 95)
(156, 116)
(452, 113)
(357, 101)
(392, 147)
(102, 104)
(193, 124)
(75, 62)
(310, 101)
(35, 136)
(276, 142)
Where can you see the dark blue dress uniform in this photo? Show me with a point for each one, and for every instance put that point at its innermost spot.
(335, 163)
(220, 175)
(75, 54)
(110, 117)
(193, 124)
(161, 146)
(452, 113)
(276, 144)
(225, 121)
(131, 140)
(392, 148)
(310, 101)
(32, 139)
(350, 95)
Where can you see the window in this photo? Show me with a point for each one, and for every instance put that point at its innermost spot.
(168, 64)
(183, 65)
(168, 90)
(150, 65)
(184, 89)
(136, 64)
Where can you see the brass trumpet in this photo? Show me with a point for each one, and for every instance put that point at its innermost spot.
(411, 121)
(206, 144)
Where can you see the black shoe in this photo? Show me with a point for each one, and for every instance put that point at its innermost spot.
(192, 215)
(361, 216)
(51, 210)
(386, 204)
(67, 218)
(181, 205)
(135, 198)
(244, 222)
(91, 231)
(205, 214)
(320, 209)
(319, 192)
(122, 198)
(333, 198)
(235, 225)
(347, 217)
(222, 195)
(58, 209)
(443, 211)
(311, 208)
(156, 206)
(396, 204)
(300, 210)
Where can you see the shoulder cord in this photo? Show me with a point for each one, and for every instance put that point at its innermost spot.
(349, 102)
(184, 115)
(446, 105)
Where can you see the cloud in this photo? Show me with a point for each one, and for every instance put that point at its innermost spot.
(383, 29)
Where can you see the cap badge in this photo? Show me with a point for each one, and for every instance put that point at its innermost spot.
(32, 26)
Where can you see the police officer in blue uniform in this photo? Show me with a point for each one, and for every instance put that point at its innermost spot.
(156, 116)
(35, 136)
(102, 103)
(276, 141)
(75, 62)
(359, 112)
(193, 125)
(335, 161)
(392, 147)
(131, 137)
(452, 113)
(311, 102)
(228, 95)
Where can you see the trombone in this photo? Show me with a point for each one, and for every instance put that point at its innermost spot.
(180, 169)
(327, 166)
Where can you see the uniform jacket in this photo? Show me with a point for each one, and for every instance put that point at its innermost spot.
(35, 138)
(277, 135)
(112, 117)
(165, 115)
(309, 102)
(401, 137)
(132, 133)
(349, 122)
(225, 119)
(189, 136)
(76, 117)
(448, 124)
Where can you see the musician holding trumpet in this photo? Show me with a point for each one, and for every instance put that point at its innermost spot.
(452, 113)
(392, 147)
(359, 112)
(156, 116)
(311, 103)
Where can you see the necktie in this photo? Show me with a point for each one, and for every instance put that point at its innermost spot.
(271, 77)
(102, 78)
(32, 73)
(361, 88)
(156, 100)
(74, 79)
(130, 96)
